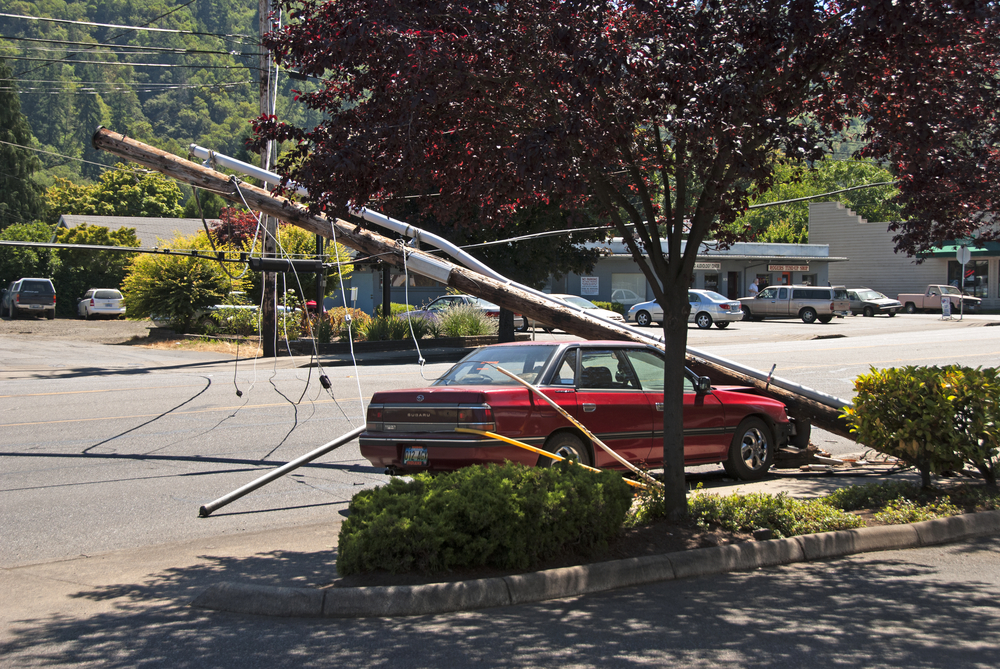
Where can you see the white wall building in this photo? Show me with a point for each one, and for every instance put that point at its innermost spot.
(872, 262)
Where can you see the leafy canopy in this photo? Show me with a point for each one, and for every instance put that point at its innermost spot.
(668, 116)
(123, 191)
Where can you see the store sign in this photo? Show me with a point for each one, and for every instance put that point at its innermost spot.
(590, 285)
(788, 268)
(708, 265)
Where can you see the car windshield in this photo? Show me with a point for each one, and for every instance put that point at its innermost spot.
(870, 295)
(950, 290)
(579, 302)
(479, 367)
(485, 305)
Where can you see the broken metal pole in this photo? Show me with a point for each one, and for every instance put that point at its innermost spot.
(206, 510)
(823, 414)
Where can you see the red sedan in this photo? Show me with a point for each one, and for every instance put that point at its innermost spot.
(614, 388)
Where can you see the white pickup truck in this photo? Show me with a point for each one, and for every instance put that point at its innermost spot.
(931, 299)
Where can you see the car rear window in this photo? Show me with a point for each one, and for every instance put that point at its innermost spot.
(477, 369)
(42, 287)
(107, 295)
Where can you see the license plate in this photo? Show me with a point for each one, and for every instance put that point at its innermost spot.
(107, 304)
(415, 455)
(35, 306)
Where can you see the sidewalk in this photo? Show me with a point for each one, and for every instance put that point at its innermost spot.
(285, 572)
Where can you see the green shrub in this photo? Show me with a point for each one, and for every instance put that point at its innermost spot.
(395, 308)
(466, 320)
(901, 511)
(872, 495)
(933, 418)
(503, 516)
(380, 328)
(235, 321)
(613, 306)
(783, 515)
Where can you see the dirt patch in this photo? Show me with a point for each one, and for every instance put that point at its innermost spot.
(110, 331)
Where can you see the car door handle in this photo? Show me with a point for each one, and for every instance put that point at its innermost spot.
(589, 407)
(659, 406)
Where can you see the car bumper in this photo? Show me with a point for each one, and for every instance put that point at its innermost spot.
(445, 452)
(105, 311)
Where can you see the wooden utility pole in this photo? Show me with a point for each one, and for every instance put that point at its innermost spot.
(455, 276)
(268, 315)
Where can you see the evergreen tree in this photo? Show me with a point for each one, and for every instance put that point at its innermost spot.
(20, 198)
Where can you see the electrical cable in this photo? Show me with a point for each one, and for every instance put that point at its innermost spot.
(406, 296)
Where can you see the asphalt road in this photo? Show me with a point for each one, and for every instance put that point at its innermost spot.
(106, 453)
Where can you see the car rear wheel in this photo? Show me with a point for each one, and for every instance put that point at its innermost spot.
(568, 446)
(643, 319)
(703, 320)
(752, 450)
(910, 308)
(891, 314)
(869, 312)
(50, 314)
(722, 325)
(825, 319)
(808, 315)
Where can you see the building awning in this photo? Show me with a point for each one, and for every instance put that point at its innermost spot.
(983, 249)
(777, 259)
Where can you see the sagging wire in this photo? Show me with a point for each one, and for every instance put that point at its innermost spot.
(406, 296)
(314, 357)
(348, 319)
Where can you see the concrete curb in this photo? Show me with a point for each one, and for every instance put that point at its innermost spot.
(434, 598)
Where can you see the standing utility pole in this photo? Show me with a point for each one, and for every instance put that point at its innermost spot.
(268, 317)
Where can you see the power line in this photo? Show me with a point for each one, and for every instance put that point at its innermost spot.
(59, 155)
(66, 60)
(141, 49)
(124, 83)
(144, 28)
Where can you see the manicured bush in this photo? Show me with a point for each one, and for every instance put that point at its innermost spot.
(902, 511)
(933, 418)
(503, 516)
(395, 308)
(872, 495)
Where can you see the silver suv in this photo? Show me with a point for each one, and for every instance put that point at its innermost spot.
(810, 303)
(29, 296)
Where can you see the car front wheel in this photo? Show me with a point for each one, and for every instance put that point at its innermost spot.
(703, 320)
(568, 446)
(643, 319)
(751, 452)
(869, 312)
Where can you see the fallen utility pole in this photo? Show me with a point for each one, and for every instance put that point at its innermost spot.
(393, 252)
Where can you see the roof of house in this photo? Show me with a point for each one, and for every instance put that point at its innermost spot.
(151, 231)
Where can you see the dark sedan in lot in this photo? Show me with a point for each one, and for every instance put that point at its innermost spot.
(615, 389)
(871, 302)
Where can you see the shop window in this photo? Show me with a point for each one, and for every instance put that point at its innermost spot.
(712, 282)
(976, 276)
(809, 280)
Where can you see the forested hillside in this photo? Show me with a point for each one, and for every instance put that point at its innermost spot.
(165, 72)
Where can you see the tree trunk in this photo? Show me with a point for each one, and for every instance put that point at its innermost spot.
(505, 332)
(675, 346)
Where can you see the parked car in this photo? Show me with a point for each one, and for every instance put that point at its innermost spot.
(626, 297)
(871, 302)
(810, 303)
(614, 388)
(437, 307)
(932, 297)
(581, 303)
(101, 302)
(707, 307)
(29, 296)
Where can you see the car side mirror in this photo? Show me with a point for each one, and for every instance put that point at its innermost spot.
(703, 385)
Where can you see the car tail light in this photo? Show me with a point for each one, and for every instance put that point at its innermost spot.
(53, 299)
(91, 301)
(477, 418)
(17, 298)
(374, 417)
